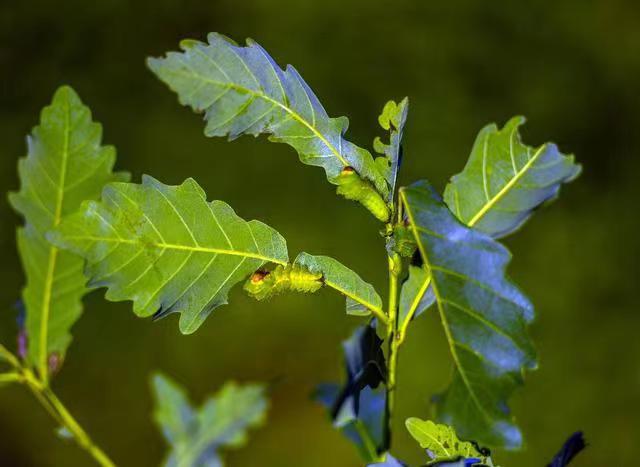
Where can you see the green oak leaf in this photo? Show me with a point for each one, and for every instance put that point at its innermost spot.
(484, 317)
(441, 440)
(392, 119)
(241, 90)
(65, 165)
(362, 298)
(196, 435)
(504, 180)
(169, 250)
(166, 248)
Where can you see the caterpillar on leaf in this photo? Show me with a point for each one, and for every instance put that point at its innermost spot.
(351, 186)
(292, 277)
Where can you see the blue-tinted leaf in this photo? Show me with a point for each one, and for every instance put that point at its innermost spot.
(571, 448)
(243, 91)
(389, 461)
(366, 430)
(365, 366)
(356, 407)
(505, 180)
(462, 462)
(484, 318)
(196, 436)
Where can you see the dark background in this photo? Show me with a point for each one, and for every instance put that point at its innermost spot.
(571, 66)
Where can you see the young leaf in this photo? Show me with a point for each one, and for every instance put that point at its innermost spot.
(392, 119)
(484, 318)
(389, 461)
(242, 90)
(504, 180)
(196, 436)
(441, 441)
(65, 165)
(166, 248)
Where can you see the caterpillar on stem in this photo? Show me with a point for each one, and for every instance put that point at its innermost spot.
(352, 186)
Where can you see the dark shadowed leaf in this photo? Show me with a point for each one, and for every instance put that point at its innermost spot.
(65, 165)
(570, 449)
(505, 180)
(484, 318)
(366, 367)
(366, 430)
(357, 407)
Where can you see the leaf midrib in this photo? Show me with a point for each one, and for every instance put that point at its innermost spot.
(371, 306)
(287, 109)
(417, 426)
(53, 251)
(505, 189)
(443, 318)
(175, 246)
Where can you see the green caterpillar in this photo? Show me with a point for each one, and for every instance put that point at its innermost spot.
(403, 241)
(351, 186)
(292, 277)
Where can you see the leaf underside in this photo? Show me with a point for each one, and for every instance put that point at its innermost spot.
(504, 180)
(484, 318)
(242, 90)
(65, 165)
(196, 435)
(166, 248)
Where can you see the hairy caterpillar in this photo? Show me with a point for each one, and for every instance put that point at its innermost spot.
(351, 186)
(264, 284)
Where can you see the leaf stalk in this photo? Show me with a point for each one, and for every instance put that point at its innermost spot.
(54, 406)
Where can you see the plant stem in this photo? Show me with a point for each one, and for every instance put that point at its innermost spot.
(392, 328)
(55, 408)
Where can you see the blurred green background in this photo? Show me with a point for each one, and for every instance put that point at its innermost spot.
(571, 66)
